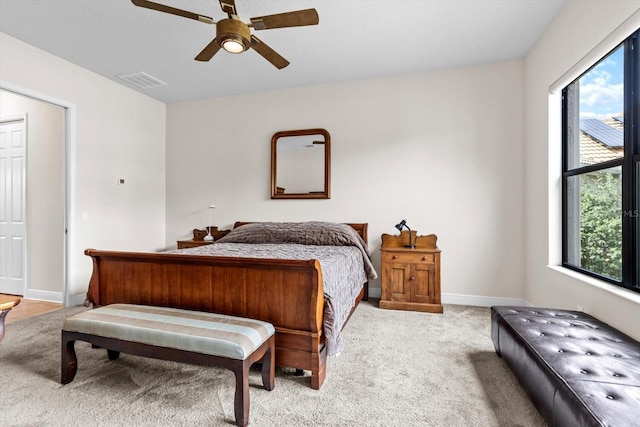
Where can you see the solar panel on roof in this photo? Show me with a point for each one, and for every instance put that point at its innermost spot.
(602, 132)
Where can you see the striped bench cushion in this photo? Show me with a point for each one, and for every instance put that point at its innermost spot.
(208, 333)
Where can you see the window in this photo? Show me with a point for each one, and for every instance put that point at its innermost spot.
(601, 168)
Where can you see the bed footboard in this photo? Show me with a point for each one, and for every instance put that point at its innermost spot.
(285, 293)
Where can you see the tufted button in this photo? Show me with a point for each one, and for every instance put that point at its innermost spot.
(566, 335)
(541, 334)
(592, 339)
(561, 351)
(609, 397)
(582, 371)
(588, 353)
(547, 322)
(616, 355)
(616, 375)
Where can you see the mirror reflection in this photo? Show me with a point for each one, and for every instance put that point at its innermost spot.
(300, 164)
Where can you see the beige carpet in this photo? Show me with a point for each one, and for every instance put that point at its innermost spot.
(398, 369)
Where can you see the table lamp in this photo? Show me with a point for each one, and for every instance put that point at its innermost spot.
(403, 224)
(209, 237)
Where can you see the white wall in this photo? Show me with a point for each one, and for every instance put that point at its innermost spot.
(441, 149)
(567, 48)
(114, 132)
(45, 193)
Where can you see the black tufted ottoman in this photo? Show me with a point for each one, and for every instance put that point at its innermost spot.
(577, 370)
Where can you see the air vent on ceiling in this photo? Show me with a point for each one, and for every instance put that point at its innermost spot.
(142, 80)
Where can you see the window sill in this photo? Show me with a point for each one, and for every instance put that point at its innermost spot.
(616, 290)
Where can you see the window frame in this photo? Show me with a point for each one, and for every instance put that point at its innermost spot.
(629, 163)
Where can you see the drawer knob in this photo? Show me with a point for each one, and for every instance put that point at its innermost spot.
(395, 257)
(413, 278)
(424, 258)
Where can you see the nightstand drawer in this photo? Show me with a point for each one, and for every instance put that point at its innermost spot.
(411, 258)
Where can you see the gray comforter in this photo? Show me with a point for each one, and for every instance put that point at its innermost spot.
(343, 257)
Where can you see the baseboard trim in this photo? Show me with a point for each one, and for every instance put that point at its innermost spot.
(76, 300)
(57, 297)
(481, 301)
(41, 295)
(375, 292)
(461, 299)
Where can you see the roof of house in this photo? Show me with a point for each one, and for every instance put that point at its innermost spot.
(601, 140)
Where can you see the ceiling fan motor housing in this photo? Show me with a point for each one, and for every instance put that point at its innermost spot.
(233, 30)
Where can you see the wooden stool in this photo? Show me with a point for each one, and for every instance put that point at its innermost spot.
(185, 336)
(7, 302)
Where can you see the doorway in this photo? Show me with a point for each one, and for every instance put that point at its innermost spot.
(39, 255)
(13, 210)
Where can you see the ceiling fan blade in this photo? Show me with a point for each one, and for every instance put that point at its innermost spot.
(297, 18)
(267, 53)
(173, 11)
(208, 52)
(228, 7)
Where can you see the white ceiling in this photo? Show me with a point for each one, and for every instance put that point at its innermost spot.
(355, 39)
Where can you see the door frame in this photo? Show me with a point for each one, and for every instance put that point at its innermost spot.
(69, 162)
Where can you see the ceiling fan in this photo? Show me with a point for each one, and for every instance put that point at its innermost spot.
(235, 36)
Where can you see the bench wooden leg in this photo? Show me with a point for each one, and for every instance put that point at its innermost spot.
(69, 361)
(265, 355)
(241, 401)
(268, 370)
(112, 354)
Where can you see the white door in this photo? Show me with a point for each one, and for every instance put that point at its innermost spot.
(13, 209)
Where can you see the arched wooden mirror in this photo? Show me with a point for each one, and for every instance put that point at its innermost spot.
(300, 164)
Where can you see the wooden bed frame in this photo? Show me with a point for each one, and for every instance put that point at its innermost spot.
(286, 293)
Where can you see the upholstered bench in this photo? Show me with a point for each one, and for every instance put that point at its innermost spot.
(186, 336)
(577, 370)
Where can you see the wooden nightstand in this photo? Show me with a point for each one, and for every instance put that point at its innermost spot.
(184, 244)
(410, 277)
(198, 238)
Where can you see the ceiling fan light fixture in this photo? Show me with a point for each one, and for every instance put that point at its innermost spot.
(233, 35)
(232, 45)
